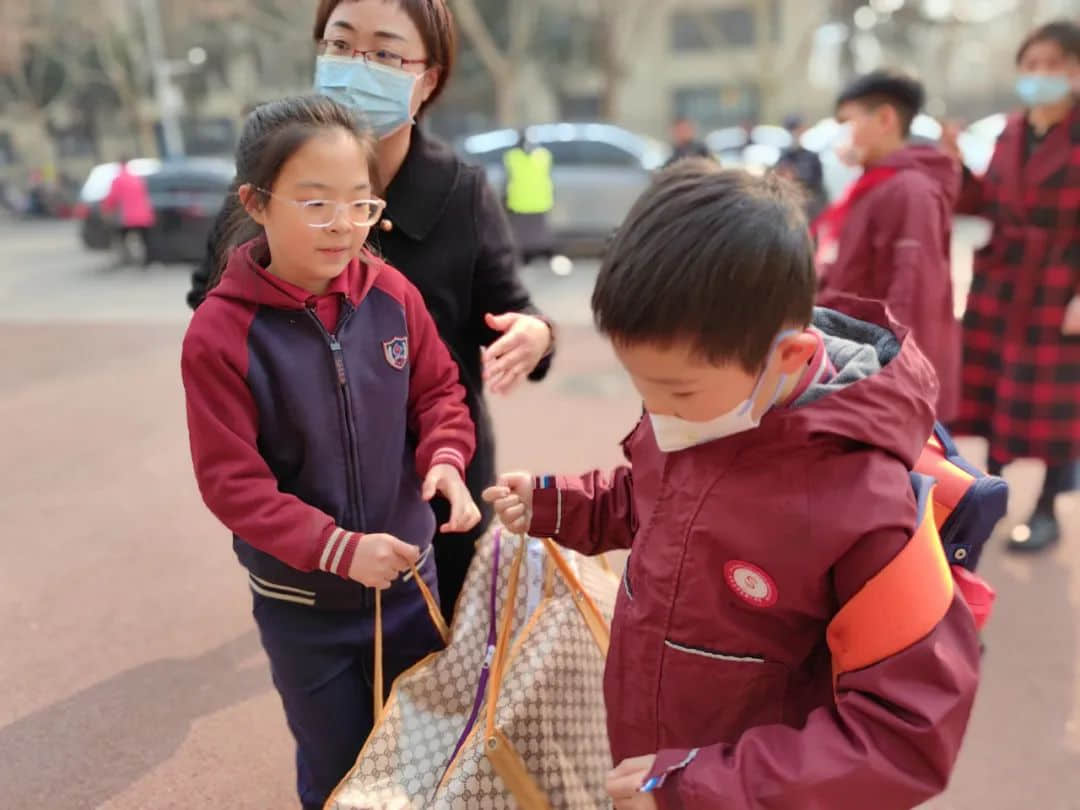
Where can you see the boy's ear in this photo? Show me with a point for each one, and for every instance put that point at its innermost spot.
(889, 117)
(249, 198)
(795, 351)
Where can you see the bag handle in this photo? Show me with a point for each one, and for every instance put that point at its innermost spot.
(502, 754)
(502, 644)
(436, 618)
(594, 619)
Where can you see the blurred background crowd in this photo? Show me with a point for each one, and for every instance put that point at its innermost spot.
(609, 87)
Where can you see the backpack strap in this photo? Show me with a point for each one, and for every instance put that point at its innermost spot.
(939, 461)
(900, 604)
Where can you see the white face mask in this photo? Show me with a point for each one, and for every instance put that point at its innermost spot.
(844, 148)
(674, 434)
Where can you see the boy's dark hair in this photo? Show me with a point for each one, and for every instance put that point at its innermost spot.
(1063, 32)
(718, 257)
(901, 92)
(272, 134)
(435, 22)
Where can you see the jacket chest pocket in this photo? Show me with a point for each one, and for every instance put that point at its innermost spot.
(708, 696)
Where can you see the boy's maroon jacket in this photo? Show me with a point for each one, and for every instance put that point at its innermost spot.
(894, 246)
(731, 653)
(305, 436)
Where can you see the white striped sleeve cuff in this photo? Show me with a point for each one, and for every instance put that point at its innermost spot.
(452, 456)
(338, 552)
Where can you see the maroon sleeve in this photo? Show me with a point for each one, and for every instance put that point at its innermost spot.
(889, 742)
(910, 243)
(590, 514)
(234, 479)
(438, 414)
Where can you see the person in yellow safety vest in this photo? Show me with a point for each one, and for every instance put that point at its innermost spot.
(530, 197)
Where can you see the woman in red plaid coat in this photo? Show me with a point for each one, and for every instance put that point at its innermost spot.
(1021, 378)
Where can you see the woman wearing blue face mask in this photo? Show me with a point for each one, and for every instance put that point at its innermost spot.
(443, 227)
(1021, 378)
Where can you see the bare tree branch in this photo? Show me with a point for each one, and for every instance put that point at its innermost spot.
(524, 17)
(472, 23)
(503, 66)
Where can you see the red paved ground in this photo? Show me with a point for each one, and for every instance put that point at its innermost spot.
(131, 676)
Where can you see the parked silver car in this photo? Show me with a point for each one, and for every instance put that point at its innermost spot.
(599, 171)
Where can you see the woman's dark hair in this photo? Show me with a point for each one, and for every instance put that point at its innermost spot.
(435, 23)
(1064, 32)
(720, 258)
(272, 134)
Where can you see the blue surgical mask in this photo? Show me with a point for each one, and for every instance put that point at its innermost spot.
(382, 94)
(1039, 89)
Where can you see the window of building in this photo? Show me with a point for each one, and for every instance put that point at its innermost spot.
(715, 106)
(710, 29)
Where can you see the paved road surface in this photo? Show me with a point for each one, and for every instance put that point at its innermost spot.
(131, 676)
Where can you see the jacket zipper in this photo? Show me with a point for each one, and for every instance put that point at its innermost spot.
(337, 354)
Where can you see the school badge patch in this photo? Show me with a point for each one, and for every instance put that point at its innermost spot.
(396, 352)
(750, 584)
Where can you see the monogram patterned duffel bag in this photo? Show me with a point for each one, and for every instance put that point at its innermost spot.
(511, 713)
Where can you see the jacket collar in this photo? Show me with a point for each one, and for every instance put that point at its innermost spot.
(1052, 154)
(246, 279)
(1017, 171)
(420, 193)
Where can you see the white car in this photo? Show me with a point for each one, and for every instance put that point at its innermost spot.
(599, 171)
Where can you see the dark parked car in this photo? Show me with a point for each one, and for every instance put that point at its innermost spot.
(186, 195)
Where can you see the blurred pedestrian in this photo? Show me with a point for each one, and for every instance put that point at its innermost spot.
(37, 196)
(685, 142)
(888, 238)
(530, 196)
(804, 167)
(128, 204)
(1021, 373)
(444, 227)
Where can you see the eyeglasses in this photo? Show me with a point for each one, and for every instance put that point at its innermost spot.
(324, 213)
(380, 56)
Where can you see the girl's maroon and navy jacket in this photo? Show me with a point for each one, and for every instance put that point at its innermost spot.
(305, 435)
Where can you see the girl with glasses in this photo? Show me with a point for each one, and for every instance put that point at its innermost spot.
(324, 414)
(443, 226)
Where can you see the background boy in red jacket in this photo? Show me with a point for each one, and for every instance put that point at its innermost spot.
(888, 238)
(787, 634)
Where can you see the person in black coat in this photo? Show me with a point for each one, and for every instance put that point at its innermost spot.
(804, 167)
(444, 228)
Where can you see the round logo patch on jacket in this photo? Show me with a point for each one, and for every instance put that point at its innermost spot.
(750, 583)
(396, 352)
